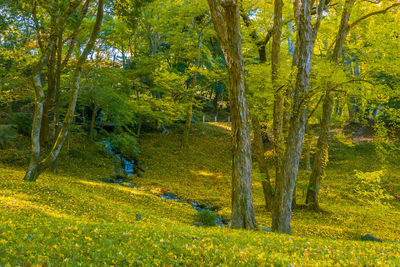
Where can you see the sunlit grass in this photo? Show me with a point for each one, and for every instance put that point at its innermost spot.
(72, 218)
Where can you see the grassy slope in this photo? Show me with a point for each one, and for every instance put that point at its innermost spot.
(73, 219)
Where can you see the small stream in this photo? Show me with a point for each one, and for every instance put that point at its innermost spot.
(123, 167)
(220, 221)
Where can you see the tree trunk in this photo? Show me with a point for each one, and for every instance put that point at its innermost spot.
(93, 121)
(307, 145)
(262, 163)
(226, 19)
(321, 156)
(139, 129)
(188, 123)
(286, 182)
(45, 128)
(51, 79)
(56, 114)
(279, 97)
(33, 169)
(215, 103)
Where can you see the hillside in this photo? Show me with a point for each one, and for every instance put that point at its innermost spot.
(74, 218)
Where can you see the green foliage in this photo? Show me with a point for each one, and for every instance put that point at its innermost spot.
(7, 134)
(206, 218)
(386, 148)
(125, 144)
(23, 122)
(370, 188)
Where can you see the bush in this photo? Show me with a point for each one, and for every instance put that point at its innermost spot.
(206, 218)
(125, 144)
(370, 189)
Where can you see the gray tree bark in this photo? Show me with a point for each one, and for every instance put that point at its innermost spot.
(226, 19)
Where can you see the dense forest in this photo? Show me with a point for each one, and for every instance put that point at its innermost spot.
(218, 132)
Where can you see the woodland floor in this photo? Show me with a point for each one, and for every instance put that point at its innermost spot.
(72, 218)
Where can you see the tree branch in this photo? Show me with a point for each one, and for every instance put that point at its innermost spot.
(370, 15)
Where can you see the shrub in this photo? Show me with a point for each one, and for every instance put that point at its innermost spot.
(206, 218)
(370, 189)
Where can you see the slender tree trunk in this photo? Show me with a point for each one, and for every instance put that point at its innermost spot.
(139, 127)
(215, 103)
(45, 128)
(257, 142)
(93, 120)
(188, 123)
(321, 156)
(33, 169)
(279, 96)
(45, 123)
(226, 19)
(307, 146)
(56, 114)
(262, 163)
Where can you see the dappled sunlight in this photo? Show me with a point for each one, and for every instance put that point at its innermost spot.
(18, 204)
(208, 174)
(113, 186)
(223, 125)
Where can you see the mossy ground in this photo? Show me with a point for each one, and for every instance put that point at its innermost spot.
(72, 218)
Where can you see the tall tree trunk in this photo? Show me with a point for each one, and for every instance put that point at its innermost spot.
(262, 163)
(226, 19)
(36, 167)
(321, 156)
(285, 184)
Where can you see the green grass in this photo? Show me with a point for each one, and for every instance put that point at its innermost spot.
(73, 219)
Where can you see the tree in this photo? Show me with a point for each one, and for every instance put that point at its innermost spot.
(321, 156)
(36, 165)
(286, 176)
(226, 20)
